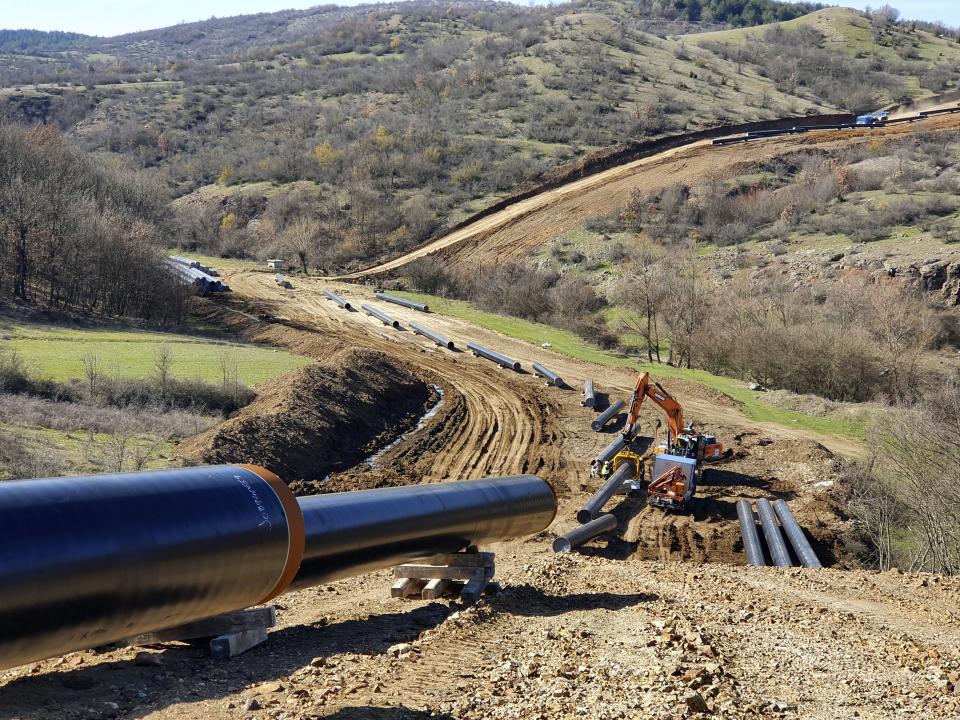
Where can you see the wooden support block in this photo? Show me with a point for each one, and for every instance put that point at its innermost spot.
(225, 624)
(478, 559)
(446, 572)
(398, 587)
(406, 587)
(436, 588)
(474, 589)
(233, 644)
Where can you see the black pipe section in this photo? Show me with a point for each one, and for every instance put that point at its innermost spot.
(93, 560)
(771, 531)
(606, 416)
(551, 377)
(612, 449)
(401, 301)
(431, 335)
(594, 505)
(381, 316)
(578, 536)
(354, 532)
(589, 397)
(748, 530)
(801, 546)
(501, 360)
(337, 299)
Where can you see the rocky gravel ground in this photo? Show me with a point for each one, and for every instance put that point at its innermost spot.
(581, 636)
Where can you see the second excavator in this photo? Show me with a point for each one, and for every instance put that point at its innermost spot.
(678, 460)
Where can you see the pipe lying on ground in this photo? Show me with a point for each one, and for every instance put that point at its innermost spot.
(594, 505)
(801, 546)
(354, 532)
(612, 449)
(431, 335)
(748, 530)
(578, 536)
(551, 377)
(381, 316)
(501, 360)
(401, 301)
(606, 416)
(94, 560)
(589, 397)
(771, 532)
(337, 299)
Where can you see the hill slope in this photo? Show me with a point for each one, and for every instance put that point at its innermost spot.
(383, 124)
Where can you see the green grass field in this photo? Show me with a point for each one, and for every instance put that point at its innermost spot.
(57, 353)
(570, 344)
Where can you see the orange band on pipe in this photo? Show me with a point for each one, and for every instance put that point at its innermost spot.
(295, 527)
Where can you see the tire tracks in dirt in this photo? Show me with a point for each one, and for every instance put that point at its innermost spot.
(491, 423)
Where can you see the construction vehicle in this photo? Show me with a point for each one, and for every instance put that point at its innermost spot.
(678, 461)
(874, 118)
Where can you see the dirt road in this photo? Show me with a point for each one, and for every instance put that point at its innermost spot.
(531, 223)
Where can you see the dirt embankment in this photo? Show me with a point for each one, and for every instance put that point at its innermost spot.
(319, 419)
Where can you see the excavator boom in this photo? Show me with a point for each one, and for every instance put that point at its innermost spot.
(644, 388)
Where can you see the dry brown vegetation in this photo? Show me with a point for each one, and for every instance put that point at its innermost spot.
(77, 235)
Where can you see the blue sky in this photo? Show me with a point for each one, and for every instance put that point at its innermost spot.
(113, 17)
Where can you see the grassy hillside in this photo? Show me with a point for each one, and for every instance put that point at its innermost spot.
(58, 353)
(356, 133)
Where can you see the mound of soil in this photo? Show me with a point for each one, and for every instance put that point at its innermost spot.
(319, 419)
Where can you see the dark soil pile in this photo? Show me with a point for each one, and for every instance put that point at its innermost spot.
(319, 419)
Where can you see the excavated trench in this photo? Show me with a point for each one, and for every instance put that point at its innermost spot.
(321, 419)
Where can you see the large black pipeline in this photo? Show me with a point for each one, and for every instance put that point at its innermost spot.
(354, 532)
(771, 531)
(401, 301)
(551, 377)
(612, 449)
(380, 315)
(595, 504)
(93, 560)
(578, 536)
(748, 530)
(430, 334)
(337, 299)
(801, 546)
(499, 359)
(606, 416)
(589, 397)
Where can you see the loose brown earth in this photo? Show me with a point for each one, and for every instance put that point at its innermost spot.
(664, 621)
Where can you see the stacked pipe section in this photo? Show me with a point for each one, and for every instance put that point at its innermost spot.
(337, 299)
(93, 560)
(402, 301)
(606, 416)
(431, 335)
(551, 377)
(748, 530)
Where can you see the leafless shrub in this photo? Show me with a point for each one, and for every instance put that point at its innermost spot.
(99, 419)
(19, 460)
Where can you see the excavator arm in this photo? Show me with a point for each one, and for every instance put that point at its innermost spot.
(644, 388)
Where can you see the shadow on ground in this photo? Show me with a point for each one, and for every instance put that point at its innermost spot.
(526, 600)
(187, 673)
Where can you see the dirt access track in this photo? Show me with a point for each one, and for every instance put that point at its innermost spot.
(663, 622)
(528, 224)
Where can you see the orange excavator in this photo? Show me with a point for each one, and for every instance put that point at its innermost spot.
(678, 465)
